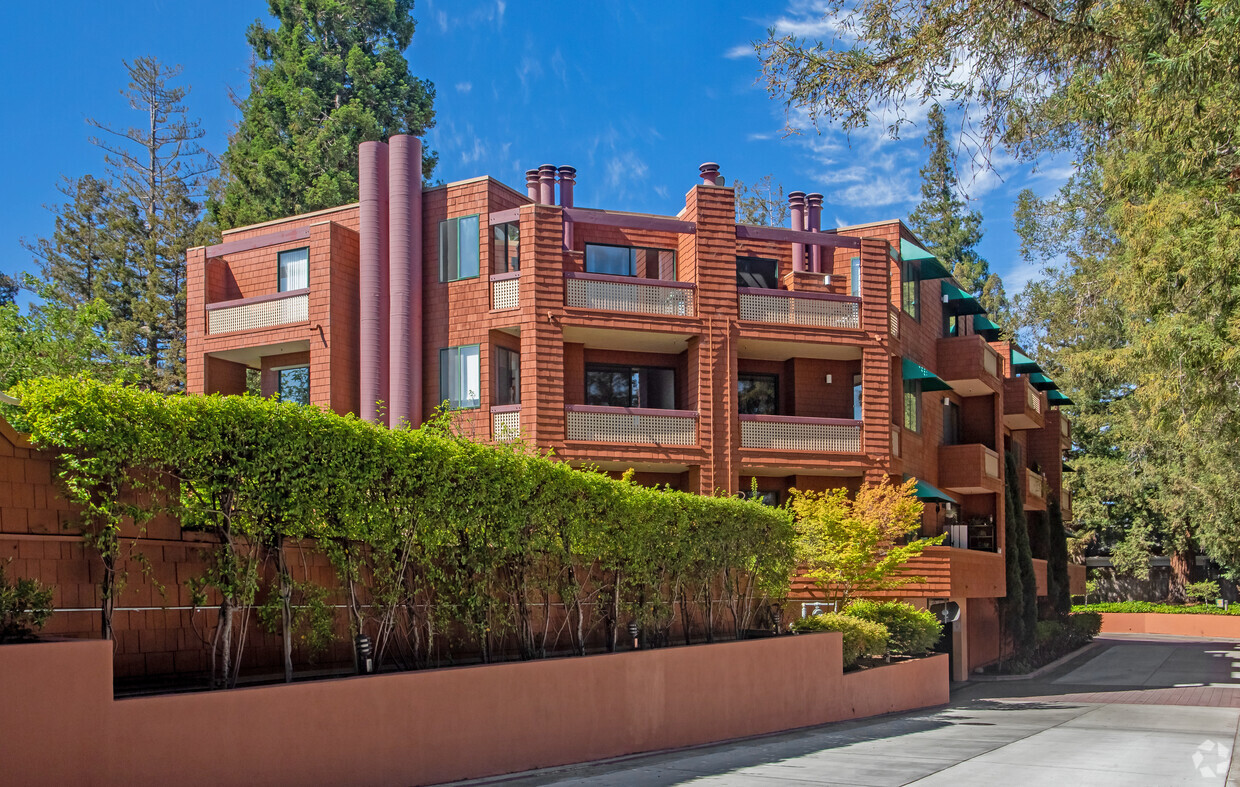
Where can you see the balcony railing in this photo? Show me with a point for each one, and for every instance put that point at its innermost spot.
(895, 441)
(969, 468)
(1035, 401)
(990, 361)
(1035, 485)
(263, 311)
(799, 308)
(634, 425)
(790, 433)
(1063, 426)
(893, 322)
(505, 291)
(627, 294)
(505, 423)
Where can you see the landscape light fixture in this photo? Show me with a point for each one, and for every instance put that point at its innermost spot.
(365, 654)
(633, 632)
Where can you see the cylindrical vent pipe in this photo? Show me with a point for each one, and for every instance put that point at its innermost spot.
(546, 182)
(531, 184)
(815, 225)
(796, 212)
(709, 172)
(372, 277)
(405, 277)
(568, 178)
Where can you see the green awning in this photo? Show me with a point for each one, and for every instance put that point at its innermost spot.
(987, 328)
(928, 264)
(929, 381)
(1042, 382)
(959, 302)
(931, 493)
(1067, 468)
(1057, 398)
(1023, 364)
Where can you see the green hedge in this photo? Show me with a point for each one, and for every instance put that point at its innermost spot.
(1161, 609)
(447, 546)
(861, 637)
(912, 631)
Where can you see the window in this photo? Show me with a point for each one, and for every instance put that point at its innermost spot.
(294, 269)
(757, 272)
(854, 277)
(507, 376)
(951, 424)
(767, 498)
(912, 405)
(631, 386)
(951, 325)
(910, 290)
(458, 248)
(857, 398)
(631, 261)
(506, 239)
(293, 384)
(757, 394)
(459, 379)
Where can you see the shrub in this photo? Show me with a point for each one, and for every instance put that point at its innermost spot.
(911, 631)
(1165, 609)
(1054, 638)
(25, 607)
(1083, 626)
(1205, 592)
(861, 637)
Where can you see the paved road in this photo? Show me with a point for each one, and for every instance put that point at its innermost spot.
(1131, 711)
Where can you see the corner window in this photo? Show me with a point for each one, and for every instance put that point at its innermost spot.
(641, 262)
(506, 244)
(912, 405)
(757, 394)
(757, 272)
(459, 379)
(507, 376)
(857, 402)
(630, 386)
(293, 384)
(854, 277)
(294, 269)
(910, 289)
(458, 248)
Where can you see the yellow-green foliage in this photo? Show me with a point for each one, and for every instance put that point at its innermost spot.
(912, 631)
(861, 637)
(851, 545)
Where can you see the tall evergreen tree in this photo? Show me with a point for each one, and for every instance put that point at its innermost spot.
(1020, 606)
(1057, 582)
(330, 76)
(950, 231)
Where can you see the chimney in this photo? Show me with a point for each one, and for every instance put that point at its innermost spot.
(710, 174)
(568, 178)
(405, 277)
(546, 180)
(372, 277)
(796, 210)
(815, 221)
(531, 184)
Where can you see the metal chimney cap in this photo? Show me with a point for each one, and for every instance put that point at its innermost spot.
(796, 196)
(567, 171)
(814, 199)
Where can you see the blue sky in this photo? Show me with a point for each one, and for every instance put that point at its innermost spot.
(633, 94)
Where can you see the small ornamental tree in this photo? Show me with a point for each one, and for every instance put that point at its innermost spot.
(853, 546)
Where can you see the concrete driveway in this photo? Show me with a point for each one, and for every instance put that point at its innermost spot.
(1135, 710)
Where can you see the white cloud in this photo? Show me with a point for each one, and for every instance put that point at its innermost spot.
(625, 169)
(530, 68)
(808, 19)
(464, 87)
(442, 18)
(739, 51)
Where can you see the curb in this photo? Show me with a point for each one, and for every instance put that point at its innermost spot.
(1042, 670)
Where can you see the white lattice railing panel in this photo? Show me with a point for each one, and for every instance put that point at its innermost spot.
(1036, 486)
(1065, 500)
(1031, 396)
(622, 425)
(801, 435)
(263, 314)
(895, 441)
(505, 293)
(1063, 425)
(800, 310)
(505, 425)
(991, 464)
(990, 361)
(642, 296)
(893, 321)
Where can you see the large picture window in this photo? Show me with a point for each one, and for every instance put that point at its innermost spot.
(506, 240)
(507, 376)
(294, 267)
(910, 290)
(458, 248)
(293, 384)
(757, 394)
(757, 272)
(631, 386)
(912, 405)
(460, 383)
(631, 261)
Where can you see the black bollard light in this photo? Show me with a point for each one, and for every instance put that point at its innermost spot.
(365, 654)
(633, 632)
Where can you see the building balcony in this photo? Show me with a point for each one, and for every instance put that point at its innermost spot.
(1024, 407)
(968, 364)
(791, 433)
(970, 469)
(602, 292)
(262, 311)
(506, 423)
(631, 425)
(505, 291)
(942, 572)
(1035, 491)
(784, 307)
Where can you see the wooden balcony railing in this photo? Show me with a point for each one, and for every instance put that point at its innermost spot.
(821, 310)
(631, 425)
(628, 294)
(790, 433)
(263, 311)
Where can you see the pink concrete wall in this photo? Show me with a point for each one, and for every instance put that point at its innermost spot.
(1208, 626)
(60, 724)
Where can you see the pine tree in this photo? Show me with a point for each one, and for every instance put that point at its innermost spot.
(330, 76)
(1057, 582)
(948, 230)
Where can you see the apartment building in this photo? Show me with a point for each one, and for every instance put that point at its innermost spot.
(701, 353)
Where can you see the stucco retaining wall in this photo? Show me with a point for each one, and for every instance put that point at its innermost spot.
(1208, 626)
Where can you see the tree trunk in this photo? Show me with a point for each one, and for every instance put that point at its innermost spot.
(1182, 562)
(286, 611)
(225, 625)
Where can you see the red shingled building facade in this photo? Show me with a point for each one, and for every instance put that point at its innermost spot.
(702, 353)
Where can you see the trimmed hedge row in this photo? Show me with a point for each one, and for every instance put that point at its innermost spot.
(1161, 609)
(877, 628)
